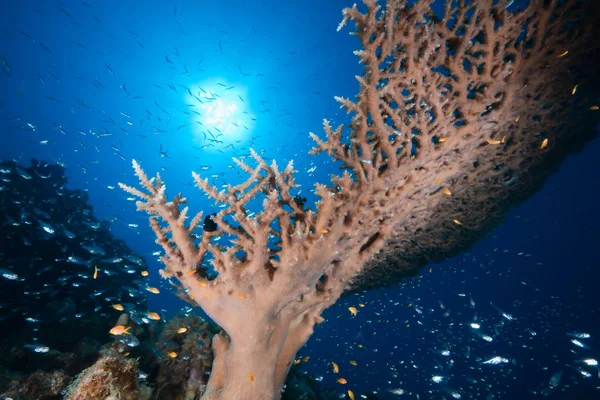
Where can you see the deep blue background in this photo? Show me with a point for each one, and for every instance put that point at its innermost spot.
(287, 61)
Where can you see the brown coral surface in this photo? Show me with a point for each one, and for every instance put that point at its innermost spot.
(480, 107)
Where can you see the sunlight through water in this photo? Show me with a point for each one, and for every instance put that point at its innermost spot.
(220, 113)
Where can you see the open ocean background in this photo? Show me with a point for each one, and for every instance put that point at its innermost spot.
(93, 85)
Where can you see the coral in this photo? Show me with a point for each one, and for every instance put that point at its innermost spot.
(110, 377)
(146, 392)
(39, 386)
(185, 375)
(463, 114)
(453, 117)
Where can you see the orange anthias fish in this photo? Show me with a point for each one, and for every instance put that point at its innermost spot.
(353, 310)
(153, 316)
(153, 290)
(182, 330)
(119, 330)
(342, 381)
(336, 369)
(118, 307)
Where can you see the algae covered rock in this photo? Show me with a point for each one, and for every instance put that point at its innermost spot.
(111, 377)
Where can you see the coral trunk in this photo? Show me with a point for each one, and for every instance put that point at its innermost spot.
(252, 366)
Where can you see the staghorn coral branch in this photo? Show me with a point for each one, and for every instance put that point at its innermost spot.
(183, 258)
(195, 221)
(443, 93)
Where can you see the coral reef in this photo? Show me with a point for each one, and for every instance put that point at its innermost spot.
(114, 377)
(186, 348)
(38, 386)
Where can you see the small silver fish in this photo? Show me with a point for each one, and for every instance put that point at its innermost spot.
(8, 274)
(579, 344)
(37, 348)
(496, 360)
(579, 335)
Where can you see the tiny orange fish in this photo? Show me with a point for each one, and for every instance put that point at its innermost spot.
(119, 330)
(361, 305)
(305, 359)
(575, 88)
(594, 108)
(153, 316)
(447, 192)
(241, 296)
(563, 54)
(172, 354)
(351, 394)
(544, 144)
(296, 362)
(438, 181)
(336, 369)
(95, 271)
(118, 307)
(181, 330)
(352, 362)
(457, 222)
(517, 119)
(442, 140)
(322, 230)
(251, 377)
(152, 290)
(341, 381)
(144, 273)
(493, 141)
(353, 311)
